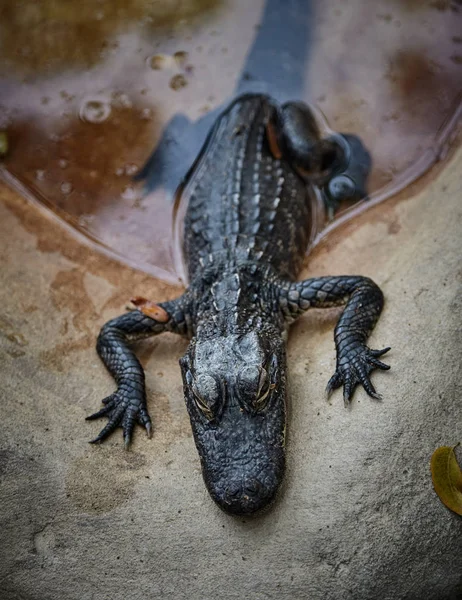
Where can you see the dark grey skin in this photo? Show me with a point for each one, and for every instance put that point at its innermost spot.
(247, 228)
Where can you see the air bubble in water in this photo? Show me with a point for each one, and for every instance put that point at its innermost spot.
(146, 114)
(177, 82)
(131, 169)
(95, 110)
(66, 187)
(129, 193)
(180, 58)
(158, 62)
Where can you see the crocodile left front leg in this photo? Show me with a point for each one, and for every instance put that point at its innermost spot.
(127, 405)
(364, 303)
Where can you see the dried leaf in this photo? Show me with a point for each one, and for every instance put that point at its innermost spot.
(447, 478)
(272, 141)
(150, 309)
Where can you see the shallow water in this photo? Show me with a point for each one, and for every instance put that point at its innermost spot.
(88, 90)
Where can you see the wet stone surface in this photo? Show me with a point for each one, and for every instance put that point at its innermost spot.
(357, 516)
(99, 88)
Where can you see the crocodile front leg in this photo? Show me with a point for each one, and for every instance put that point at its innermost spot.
(128, 403)
(364, 303)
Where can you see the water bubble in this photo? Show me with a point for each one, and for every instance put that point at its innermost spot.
(124, 101)
(120, 171)
(131, 169)
(158, 62)
(40, 175)
(129, 193)
(95, 111)
(66, 187)
(85, 220)
(180, 57)
(146, 114)
(177, 82)
(62, 162)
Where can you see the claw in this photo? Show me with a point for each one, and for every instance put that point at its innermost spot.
(354, 370)
(348, 388)
(377, 353)
(379, 364)
(122, 408)
(334, 382)
(111, 425)
(110, 398)
(100, 413)
(370, 389)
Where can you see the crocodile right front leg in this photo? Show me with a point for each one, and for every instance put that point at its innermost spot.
(127, 404)
(364, 303)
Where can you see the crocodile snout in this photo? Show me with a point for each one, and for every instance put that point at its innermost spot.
(246, 497)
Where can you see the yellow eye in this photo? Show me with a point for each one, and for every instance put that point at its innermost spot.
(264, 388)
(208, 384)
(201, 405)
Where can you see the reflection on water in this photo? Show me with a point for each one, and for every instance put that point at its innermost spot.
(89, 89)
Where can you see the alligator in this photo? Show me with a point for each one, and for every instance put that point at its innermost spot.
(246, 231)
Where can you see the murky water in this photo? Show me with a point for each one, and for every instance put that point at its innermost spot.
(88, 90)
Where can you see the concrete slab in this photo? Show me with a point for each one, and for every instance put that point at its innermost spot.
(357, 517)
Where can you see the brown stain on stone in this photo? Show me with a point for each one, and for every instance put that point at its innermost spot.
(52, 237)
(422, 86)
(412, 73)
(50, 35)
(82, 167)
(424, 89)
(58, 357)
(9, 331)
(104, 478)
(67, 291)
(394, 227)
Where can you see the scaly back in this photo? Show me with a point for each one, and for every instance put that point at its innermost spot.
(245, 205)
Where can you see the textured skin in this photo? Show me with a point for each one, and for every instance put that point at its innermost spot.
(247, 227)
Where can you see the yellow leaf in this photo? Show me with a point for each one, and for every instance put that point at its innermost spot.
(3, 143)
(447, 478)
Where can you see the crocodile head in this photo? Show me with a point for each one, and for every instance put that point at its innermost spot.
(235, 394)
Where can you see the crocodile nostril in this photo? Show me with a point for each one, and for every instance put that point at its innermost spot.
(233, 490)
(252, 487)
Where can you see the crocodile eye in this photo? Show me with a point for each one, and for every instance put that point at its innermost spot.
(205, 392)
(255, 386)
(264, 389)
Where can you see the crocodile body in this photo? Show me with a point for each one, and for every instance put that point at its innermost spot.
(247, 227)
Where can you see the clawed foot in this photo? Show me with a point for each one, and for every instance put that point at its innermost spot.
(355, 368)
(123, 408)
